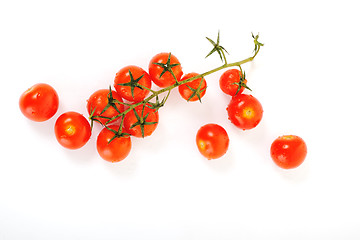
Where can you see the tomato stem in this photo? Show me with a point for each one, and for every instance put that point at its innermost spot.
(155, 94)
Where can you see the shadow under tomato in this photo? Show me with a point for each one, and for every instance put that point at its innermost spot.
(222, 165)
(44, 129)
(296, 175)
(123, 169)
(85, 155)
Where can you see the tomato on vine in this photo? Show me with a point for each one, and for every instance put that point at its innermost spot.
(288, 151)
(245, 111)
(111, 146)
(39, 103)
(194, 90)
(212, 141)
(141, 121)
(132, 83)
(72, 130)
(233, 82)
(165, 69)
(103, 105)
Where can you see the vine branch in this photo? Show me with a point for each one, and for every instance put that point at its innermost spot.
(155, 94)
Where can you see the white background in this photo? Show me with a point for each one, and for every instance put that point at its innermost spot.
(306, 77)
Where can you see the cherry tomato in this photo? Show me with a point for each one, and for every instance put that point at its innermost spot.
(113, 149)
(39, 103)
(191, 91)
(142, 123)
(288, 151)
(160, 68)
(245, 111)
(230, 82)
(72, 130)
(212, 141)
(132, 83)
(99, 100)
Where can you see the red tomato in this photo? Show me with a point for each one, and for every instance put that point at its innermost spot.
(39, 103)
(142, 123)
(245, 111)
(160, 68)
(72, 130)
(288, 151)
(212, 141)
(230, 82)
(113, 149)
(191, 91)
(129, 83)
(99, 100)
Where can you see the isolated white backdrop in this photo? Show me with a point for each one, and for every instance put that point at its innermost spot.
(305, 77)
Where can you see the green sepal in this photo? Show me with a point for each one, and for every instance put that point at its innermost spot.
(117, 134)
(241, 83)
(167, 67)
(111, 102)
(133, 83)
(217, 48)
(93, 118)
(197, 91)
(141, 121)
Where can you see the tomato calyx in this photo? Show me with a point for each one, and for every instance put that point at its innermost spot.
(217, 48)
(133, 83)
(111, 102)
(117, 134)
(241, 82)
(141, 121)
(196, 92)
(94, 118)
(167, 67)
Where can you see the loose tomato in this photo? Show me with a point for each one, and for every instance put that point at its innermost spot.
(141, 121)
(288, 151)
(164, 68)
(132, 83)
(232, 82)
(193, 90)
(245, 111)
(107, 100)
(212, 141)
(72, 130)
(39, 103)
(113, 148)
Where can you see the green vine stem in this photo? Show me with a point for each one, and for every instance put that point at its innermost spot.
(155, 94)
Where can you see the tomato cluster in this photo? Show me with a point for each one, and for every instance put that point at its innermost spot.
(125, 111)
(121, 111)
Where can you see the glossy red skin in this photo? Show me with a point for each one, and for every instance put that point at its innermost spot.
(212, 141)
(186, 92)
(72, 130)
(245, 111)
(155, 71)
(97, 102)
(288, 151)
(123, 76)
(227, 81)
(115, 151)
(130, 119)
(39, 103)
